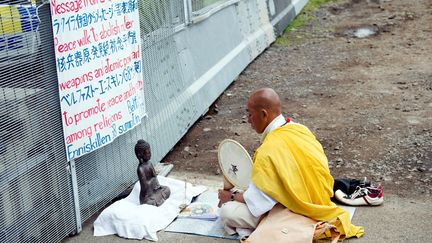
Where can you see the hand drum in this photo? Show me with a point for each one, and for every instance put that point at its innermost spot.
(235, 163)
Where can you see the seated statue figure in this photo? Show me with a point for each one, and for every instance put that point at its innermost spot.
(152, 192)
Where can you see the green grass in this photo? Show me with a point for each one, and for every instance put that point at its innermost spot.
(303, 17)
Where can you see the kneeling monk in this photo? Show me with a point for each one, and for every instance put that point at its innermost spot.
(290, 170)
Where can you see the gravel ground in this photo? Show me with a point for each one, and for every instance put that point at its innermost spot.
(368, 100)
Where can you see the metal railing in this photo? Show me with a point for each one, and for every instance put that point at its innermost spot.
(44, 197)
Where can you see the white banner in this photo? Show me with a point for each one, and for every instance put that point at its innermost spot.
(98, 56)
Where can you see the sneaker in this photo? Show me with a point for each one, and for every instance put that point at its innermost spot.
(371, 196)
(349, 186)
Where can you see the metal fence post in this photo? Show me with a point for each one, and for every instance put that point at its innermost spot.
(50, 84)
(187, 6)
(72, 171)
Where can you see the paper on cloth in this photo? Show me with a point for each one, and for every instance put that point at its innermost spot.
(210, 228)
(128, 219)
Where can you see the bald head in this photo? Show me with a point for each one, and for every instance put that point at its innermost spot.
(263, 106)
(266, 98)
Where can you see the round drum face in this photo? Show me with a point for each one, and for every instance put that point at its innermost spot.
(235, 163)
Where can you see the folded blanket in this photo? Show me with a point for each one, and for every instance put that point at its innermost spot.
(128, 219)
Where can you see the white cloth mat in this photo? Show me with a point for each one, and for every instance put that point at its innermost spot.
(128, 219)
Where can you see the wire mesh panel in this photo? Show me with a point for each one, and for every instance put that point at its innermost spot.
(201, 4)
(255, 16)
(173, 102)
(105, 173)
(35, 190)
(184, 70)
(177, 12)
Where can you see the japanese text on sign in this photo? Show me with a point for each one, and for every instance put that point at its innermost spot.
(98, 60)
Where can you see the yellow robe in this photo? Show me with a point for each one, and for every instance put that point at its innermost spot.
(291, 167)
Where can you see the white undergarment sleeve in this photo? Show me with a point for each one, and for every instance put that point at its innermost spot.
(257, 201)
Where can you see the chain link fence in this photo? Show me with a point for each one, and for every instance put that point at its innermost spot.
(201, 4)
(35, 197)
(43, 197)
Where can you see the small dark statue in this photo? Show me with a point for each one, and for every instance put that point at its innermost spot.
(152, 192)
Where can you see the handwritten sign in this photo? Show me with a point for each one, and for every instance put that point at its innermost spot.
(98, 56)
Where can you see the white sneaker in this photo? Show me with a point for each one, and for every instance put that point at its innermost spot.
(371, 196)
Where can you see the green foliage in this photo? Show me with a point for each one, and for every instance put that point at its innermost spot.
(302, 18)
(314, 4)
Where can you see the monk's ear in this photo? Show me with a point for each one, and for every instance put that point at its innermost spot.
(264, 113)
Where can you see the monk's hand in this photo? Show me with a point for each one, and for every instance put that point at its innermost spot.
(224, 196)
